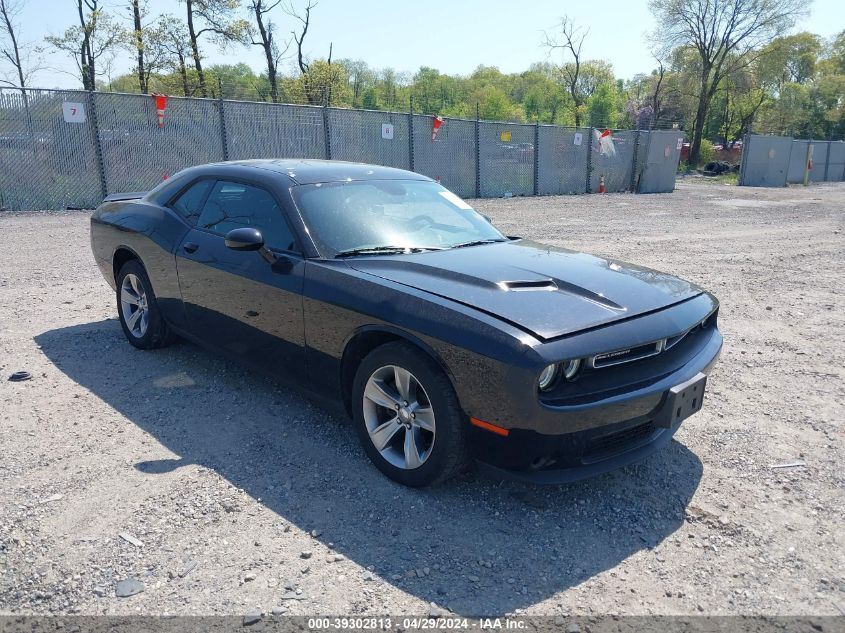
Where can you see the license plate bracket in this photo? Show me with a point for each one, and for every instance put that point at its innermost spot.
(682, 401)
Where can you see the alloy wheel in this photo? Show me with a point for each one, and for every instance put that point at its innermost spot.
(134, 306)
(399, 417)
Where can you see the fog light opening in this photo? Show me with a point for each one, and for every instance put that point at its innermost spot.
(539, 463)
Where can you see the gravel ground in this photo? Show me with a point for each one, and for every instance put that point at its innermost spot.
(216, 490)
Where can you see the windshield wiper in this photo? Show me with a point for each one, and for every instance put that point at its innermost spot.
(477, 243)
(386, 250)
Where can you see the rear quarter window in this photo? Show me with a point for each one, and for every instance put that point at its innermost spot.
(190, 202)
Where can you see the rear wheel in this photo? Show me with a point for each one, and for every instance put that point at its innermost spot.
(407, 416)
(140, 316)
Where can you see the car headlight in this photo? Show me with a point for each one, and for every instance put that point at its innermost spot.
(547, 377)
(570, 368)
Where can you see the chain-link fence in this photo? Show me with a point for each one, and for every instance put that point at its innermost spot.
(614, 167)
(138, 154)
(506, 159)
(451, 159)
(369, 136)
(44, 162)
(565, 156)
(68, 149)
(775, 161)
(658, 153)
(262, 130)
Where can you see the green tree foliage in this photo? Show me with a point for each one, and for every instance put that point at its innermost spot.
(793, 84)
(603, 106)
(726, 36)
(92, 43)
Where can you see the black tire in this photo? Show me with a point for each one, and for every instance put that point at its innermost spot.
(449, 453)
(157, 333)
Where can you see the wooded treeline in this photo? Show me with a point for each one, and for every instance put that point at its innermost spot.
(721, 67)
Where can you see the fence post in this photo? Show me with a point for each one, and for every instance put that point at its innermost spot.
(589, 145)
(98, 149)
(743, 161)
(224, 139)
(789, 160)
(327, 128)
(842, 177)
(537, 157)
(411, 133)
(827, 161)
(807, 160)
(477, 150)
(634, 161)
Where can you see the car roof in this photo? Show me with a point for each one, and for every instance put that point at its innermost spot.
(306, 171)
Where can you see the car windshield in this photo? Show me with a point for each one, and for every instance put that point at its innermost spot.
(389, 216)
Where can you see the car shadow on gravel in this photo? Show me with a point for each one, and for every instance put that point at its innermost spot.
(473, 545)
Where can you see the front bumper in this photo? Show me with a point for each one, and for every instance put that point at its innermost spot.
(605, 435)
(582, 455)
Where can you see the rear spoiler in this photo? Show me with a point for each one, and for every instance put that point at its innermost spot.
(132, 195)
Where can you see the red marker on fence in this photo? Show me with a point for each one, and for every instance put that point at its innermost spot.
(161, 106)
(601, 184)
(435, 127)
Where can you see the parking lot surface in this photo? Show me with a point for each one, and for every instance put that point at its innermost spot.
(213, 489)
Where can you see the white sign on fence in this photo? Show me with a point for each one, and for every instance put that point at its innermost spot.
(74, 112)
(387, 131)
(680, 143)
(577, 139)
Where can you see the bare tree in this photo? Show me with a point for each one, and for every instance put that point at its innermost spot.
(313, 93)
(725, 34)
(174, 45)
(266, 34)
(12, 50)
(148, 41)
(138, 45)
(214, 17)
(91, 43)
(299, 37)
(656, 100)
(570, 42)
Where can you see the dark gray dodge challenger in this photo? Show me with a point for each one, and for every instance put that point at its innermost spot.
(444, 339)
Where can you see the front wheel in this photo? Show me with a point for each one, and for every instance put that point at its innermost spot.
(407, 416)
(140, 316)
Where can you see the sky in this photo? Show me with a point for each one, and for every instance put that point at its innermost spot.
(454, 37)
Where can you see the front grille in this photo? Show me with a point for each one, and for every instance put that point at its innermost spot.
(626, 355)
(620, 442)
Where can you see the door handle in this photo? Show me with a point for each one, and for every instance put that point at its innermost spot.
(190, 247)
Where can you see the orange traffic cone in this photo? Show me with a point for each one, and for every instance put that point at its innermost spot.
(601, 184)
(435, 127)
(161, 106)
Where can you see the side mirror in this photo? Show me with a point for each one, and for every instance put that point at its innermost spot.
(244, 239)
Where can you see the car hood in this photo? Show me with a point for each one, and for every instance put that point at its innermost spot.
(543, 290)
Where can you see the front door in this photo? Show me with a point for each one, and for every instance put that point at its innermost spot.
(239, 301)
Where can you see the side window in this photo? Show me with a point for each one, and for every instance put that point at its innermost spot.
(233, 205)
(188, 205)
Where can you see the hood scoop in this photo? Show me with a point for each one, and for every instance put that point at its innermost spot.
(533, 284)
(562, 286)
